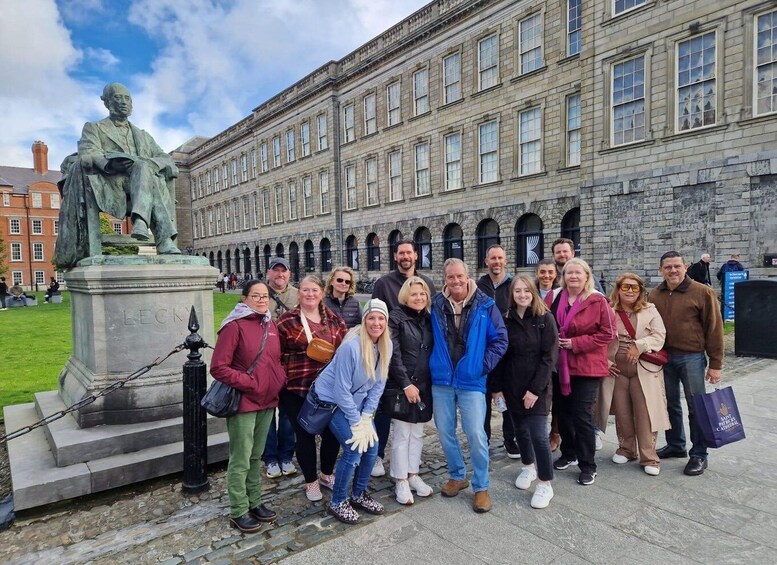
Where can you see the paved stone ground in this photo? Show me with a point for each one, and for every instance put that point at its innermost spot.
(153, 522)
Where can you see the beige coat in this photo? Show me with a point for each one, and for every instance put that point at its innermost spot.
(650, 334)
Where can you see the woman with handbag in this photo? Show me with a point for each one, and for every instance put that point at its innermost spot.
(523, 381)
(586, 326)
(247, 357)
(639, 399)
(309, 335)
(408, 394)
(339, 298)
(354, 382)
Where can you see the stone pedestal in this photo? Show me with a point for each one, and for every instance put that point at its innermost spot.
(126, 312)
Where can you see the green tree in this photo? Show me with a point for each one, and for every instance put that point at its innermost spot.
(3, 256)
(106, 228)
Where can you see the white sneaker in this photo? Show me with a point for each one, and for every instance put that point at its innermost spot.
(652, 470)
(598, 444)
(404, 496)
(378, 470)
(418, 485)
(619, 459)
(273, 471)
(542, 495)
(288, 468)
(526, 478)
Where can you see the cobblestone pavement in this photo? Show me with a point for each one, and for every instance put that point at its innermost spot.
(153, 522)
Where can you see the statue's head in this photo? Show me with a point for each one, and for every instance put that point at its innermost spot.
(117, 99)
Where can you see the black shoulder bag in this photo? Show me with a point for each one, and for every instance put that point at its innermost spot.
(222, 400)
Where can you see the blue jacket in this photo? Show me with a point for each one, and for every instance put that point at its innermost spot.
(343, 382)
(485, 342)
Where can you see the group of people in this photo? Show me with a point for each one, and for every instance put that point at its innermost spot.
(532, 346)
(229, 281)
(17, 294)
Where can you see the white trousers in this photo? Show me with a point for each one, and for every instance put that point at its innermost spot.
(406, 445)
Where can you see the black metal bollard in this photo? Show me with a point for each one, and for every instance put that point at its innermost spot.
(195, 428)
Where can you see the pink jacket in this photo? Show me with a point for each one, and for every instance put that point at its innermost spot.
(591, 330)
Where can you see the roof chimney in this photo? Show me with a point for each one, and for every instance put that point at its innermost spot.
(40, 157)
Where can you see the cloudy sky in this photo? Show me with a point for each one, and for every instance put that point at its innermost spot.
(193, 66)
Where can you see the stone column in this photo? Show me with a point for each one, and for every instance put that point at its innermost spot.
(126, 312)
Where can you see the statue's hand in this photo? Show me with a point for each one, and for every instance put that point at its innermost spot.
(118, 165)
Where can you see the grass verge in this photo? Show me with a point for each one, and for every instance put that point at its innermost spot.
(37, 342)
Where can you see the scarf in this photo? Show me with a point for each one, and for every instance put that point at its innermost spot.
(239, 312)
(564, 318)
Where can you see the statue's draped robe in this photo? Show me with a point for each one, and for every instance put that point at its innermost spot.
(83, 172)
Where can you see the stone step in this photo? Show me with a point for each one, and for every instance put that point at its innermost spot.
(37, 480)
(71, 444)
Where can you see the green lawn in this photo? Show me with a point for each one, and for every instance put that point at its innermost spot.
(36, 343)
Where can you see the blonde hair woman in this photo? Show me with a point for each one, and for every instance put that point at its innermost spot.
(338, 295)
(586, 326)
(408, 395)
(354, 380)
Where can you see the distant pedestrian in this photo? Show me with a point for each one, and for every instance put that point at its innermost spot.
(3, 294)
(700, 272)
(52, 290)
(730, 266)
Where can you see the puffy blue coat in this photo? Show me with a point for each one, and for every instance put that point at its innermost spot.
(485, 343)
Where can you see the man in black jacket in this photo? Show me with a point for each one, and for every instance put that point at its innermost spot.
(700, 272)
(496, 284)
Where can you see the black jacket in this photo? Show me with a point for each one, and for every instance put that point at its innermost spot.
(700, 272)
(532, 352)
(387, 288)
(500, 294)
(348, 309)
(411, 334)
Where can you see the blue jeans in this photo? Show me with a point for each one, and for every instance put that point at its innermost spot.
(353, 466)
(473, 412)
(688, 369)
(280, 443)
(383, 427)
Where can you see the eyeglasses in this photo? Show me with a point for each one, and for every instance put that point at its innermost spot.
(630, 287)
(341, 281)
(259, 297)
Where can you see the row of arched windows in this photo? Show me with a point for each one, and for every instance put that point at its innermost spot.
(528, 241)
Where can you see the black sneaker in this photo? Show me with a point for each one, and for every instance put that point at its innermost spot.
(367, 503)
(511, 447)
(586, 478)
(562, 463)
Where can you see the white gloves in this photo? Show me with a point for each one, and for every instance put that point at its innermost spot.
(367, 423)
(363, 435)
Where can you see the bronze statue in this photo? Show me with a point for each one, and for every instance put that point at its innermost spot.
(119, 169)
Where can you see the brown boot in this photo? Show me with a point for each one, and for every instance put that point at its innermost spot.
(555, 441)
(453, 487)
(482, 502)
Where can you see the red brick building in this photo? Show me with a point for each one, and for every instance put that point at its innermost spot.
(29, 220)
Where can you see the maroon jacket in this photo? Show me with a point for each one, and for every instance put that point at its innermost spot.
(591, 330)
(236, 347)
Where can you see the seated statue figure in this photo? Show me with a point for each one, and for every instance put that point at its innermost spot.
(119, 169)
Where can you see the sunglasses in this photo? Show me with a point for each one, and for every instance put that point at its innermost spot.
(341, 281)
(630, 287)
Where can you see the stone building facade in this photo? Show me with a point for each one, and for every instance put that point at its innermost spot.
(631, 126)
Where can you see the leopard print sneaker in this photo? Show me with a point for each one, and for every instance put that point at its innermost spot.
(367, 503)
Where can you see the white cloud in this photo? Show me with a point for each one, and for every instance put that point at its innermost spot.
(216, 61)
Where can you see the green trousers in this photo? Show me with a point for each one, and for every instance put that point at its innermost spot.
(247, 436)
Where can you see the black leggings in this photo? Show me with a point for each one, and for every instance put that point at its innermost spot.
(306, 443)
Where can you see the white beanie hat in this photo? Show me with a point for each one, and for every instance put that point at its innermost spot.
(375, 305)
